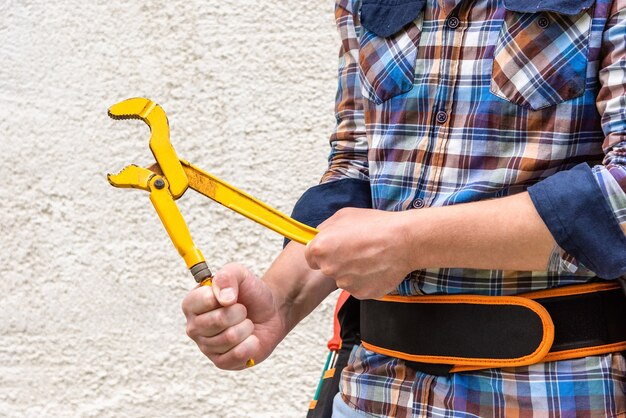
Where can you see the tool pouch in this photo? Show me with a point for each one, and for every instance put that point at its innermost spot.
(348, 317)
(454, 333)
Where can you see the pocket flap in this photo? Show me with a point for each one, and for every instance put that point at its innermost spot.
(565, 7)
(386, 17)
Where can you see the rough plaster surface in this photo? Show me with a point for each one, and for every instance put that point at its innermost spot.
(90, 289)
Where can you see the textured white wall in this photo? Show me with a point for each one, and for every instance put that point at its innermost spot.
(90, 285)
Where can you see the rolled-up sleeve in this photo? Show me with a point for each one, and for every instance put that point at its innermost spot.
(345, 182)
(585, 207)
(348, 142)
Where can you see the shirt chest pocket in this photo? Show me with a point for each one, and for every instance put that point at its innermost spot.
(388, 43)
(540, 58)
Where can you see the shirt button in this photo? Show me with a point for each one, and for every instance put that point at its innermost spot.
(418, 203)
(543, 22)
(453, 22)
(441, 117)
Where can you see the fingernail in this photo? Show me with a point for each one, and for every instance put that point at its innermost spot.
(226, 295)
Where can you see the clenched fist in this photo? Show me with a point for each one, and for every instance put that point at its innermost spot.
(365, 251)
(234, 320)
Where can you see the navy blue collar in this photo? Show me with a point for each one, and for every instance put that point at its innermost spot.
(386, 17)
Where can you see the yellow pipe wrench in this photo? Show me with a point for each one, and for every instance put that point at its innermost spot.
(170, 177)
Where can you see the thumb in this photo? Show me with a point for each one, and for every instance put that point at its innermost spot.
(226, 283)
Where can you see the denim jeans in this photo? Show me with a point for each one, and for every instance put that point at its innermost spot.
(343, 410)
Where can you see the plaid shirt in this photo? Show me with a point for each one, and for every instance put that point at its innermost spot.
(470, 100)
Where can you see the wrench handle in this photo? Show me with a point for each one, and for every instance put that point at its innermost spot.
(246, 205)
(176, 228)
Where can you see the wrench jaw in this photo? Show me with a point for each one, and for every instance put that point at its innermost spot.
(154, 116)
(134, 108)
(132, 176)
(166, 181)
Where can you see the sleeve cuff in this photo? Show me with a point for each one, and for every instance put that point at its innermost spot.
(320, 202)
(575, 211)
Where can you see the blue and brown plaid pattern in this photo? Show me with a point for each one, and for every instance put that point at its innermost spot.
(587, 387)
(443, 113)
(539, 62)
(390, 73)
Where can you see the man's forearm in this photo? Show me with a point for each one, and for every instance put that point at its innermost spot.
(297, 288)
(503, 234)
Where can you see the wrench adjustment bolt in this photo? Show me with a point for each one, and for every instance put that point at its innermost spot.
(159, 184)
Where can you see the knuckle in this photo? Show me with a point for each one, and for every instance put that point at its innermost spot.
(316, 249)
(186, 303)
(218, 361)
(250, 325)
(230, 337)
(240, 355)
(207, 297)
(229, 273)
(220, 365)
(244, 310)
(219, 319)
(221, 279)
(367, 293)
(191, 330)
(238, 312)
(347, 284)
(342, 284)
(204, 349)
(329, 270)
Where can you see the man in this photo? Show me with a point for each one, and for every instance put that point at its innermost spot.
(489, 139)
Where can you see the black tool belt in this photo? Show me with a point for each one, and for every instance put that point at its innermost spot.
(453, 333)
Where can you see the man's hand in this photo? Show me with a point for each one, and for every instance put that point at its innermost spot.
(234, 320)
(364, 250)
(369, 252)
